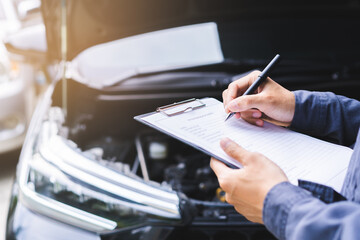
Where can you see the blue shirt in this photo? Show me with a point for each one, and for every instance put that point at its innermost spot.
(310, 210)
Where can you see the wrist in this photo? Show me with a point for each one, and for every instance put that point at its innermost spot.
(290, 106)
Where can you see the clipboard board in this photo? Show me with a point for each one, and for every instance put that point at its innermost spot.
(175, 109)
(200, 124)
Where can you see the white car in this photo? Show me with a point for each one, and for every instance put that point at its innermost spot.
(17, 76)
(12, 103)
(13, 117)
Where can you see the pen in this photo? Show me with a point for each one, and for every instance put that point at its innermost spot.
(261, 78)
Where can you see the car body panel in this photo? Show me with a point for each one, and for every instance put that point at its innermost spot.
(29, 225)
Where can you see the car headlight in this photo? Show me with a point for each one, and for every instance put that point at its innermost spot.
(60, 181)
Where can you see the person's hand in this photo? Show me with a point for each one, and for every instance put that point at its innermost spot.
(246, 188)
(270, 102)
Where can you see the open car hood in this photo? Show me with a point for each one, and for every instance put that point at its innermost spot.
(110, 63)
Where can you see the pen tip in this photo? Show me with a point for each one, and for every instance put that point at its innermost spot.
(228, 116)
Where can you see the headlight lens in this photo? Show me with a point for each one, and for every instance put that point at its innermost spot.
(48, 181)
(58, 180)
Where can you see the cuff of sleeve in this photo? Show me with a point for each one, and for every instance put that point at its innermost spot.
(310, 111)
(277, 205)
(322, 192)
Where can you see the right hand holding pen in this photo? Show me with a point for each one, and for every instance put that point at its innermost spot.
(271, 102)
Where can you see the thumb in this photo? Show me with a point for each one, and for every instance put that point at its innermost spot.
(234, 150)
(247, 102)
(219, 168)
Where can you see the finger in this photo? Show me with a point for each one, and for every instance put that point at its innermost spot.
(247, 102)
(251, 113)
(239, 86)
(253, 117)
(219, 168)
(253, 121)
(232, 92)
(224, 94)
(273, 121)
(234, 150)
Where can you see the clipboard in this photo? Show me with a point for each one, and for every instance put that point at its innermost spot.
(200, 124)
(175, 109)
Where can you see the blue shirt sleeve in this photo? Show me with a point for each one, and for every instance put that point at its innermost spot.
(291, 212)
(324, 114)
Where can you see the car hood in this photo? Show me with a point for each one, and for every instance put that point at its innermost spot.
(110, 63)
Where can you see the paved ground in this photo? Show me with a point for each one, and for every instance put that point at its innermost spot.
(7, 172)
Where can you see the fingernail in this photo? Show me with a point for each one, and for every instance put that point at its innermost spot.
(225, 142)
(259, 122)
(256, 114)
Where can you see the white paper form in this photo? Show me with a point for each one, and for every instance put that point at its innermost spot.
(299, 155)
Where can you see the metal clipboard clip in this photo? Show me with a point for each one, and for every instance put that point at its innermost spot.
(181, 107)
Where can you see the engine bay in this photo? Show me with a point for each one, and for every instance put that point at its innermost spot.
(156, 157)
(100, 123)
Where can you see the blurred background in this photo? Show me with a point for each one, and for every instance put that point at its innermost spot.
(23, 78)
